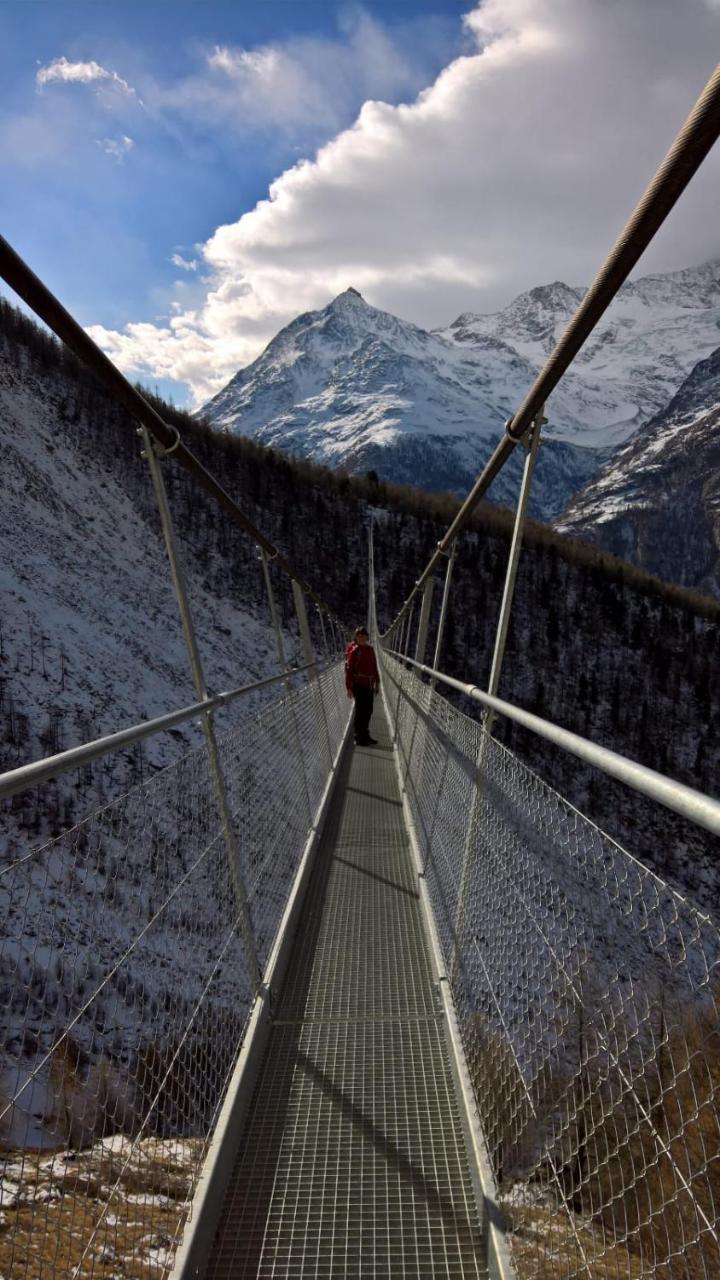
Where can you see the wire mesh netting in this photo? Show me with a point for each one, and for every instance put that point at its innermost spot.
(586, 991)
(125, 990)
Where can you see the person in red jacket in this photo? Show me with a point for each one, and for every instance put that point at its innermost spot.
(362, 680)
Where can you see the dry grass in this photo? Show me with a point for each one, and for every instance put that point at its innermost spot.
(636, 1152)
(547, 1246)
(138, 1210)
(661, 1147)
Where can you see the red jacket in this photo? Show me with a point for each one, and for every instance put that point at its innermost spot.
(361, 666)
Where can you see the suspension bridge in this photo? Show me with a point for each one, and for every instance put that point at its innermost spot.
(390, 1011)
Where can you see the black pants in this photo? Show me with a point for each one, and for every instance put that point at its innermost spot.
(363, 710)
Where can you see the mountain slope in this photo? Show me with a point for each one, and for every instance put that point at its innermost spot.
(657, 503)
(354, 387)
(641, 351)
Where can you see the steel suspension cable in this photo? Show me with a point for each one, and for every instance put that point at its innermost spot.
(38, 297)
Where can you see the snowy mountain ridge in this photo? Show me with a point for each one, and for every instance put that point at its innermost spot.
(646, 344)
(355, 387)
(657, 502)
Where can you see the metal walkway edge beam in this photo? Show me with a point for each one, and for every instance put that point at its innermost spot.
(191, 1258)
(691, 146)
(44, 303)
(699, 808)
(354, 1159)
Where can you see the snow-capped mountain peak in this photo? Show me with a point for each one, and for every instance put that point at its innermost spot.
(353, 386)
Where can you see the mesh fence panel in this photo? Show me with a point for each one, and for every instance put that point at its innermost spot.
(586, 991)
(124, 991)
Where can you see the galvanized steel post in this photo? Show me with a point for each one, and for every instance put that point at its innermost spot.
(424, 620)
(403, 647)
(533, 445)
(408, 630)
(444, 607)
(303, 625)
(283, 667)
(322, 628)
(423, 625)
(309, 652)
(233, 853)
(279, 645)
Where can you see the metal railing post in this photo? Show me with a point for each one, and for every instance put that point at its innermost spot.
(424, 620)
(309, 652)
(408, 630)
(444, 607)
(283, 667)
(233, 853)
(533, 445)
(423, 625)
(402, 628)
(274, 616)
(403, 647)
(322, 628)
(303, 625)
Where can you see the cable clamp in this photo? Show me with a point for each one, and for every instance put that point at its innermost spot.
(164, 451)
(526, 439)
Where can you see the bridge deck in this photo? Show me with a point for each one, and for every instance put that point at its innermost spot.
(354, 1162)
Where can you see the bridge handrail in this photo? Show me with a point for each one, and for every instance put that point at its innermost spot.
(692, 804)
(692, 144)
(127, 988)
(585, 989)
(39, 771)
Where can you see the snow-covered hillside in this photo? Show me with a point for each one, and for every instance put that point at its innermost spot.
(354, 387)
(657, 503)
(90, 642)
(91, 635)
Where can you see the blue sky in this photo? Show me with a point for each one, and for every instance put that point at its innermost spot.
(188, 176)
(101, 228)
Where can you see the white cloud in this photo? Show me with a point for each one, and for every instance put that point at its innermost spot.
(184, 264)
(117, 148)
(304, 86)
(65, 72)
(518, 165)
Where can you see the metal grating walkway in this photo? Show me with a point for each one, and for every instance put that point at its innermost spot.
(354, 1161)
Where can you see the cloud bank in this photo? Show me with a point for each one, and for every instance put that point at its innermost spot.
(518, 165)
